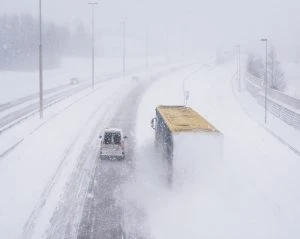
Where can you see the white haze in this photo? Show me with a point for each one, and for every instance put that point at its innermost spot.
(194, 25)
(200, 28)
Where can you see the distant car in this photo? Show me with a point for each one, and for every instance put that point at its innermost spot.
(74, 81)
(112, 144)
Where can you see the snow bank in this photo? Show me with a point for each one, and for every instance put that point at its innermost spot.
(254, 192)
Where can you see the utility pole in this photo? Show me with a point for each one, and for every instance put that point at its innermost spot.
(124, 47)
(266, 78)
(93, 43)
(41, 62)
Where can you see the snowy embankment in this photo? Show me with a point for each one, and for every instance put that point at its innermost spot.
(288, 134)
(253, 193)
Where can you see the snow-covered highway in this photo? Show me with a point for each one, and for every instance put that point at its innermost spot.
(149, 119)
(60, 189)
(37, 173)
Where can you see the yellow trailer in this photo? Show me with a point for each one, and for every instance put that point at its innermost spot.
(184, 136)
(183, 119)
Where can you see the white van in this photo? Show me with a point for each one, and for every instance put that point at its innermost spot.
(112, 144)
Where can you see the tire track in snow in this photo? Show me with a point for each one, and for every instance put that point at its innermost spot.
(29, 226)
(103, 215)
(80, 175)
(65, 217)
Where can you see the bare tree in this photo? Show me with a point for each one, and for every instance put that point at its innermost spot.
(255, 66)
(19, 40)
(276, 75)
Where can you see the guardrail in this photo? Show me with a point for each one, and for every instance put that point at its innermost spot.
(280, 105)
(282, 112)
(294, 102)
(275, 94)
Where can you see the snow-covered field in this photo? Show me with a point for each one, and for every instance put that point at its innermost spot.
(253, 193)
(20, 84)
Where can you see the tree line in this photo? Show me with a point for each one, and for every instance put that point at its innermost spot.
(19, 40)
(256, 67)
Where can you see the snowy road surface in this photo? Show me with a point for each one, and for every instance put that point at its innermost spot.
(101, 207)
(66, 167)
(102, 216)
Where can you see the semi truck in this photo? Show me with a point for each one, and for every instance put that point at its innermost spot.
(189, 144)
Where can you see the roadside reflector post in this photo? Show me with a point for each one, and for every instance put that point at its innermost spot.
(186, 97)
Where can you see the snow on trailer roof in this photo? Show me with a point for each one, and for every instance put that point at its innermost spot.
(182, 119)
(112, 130)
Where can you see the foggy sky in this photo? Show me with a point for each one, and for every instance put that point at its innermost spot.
(215, 23)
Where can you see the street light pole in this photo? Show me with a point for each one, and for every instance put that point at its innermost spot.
(239, 66)
(167, 45)
(239, 49)
(41, 61)
(266, 78)
(93, 43)
(147, 52)
(183, 42)
(124, 47)
(272, 65)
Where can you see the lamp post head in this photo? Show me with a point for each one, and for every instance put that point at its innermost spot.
(264, 39)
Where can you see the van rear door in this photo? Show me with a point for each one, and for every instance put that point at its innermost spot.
(112, 144)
